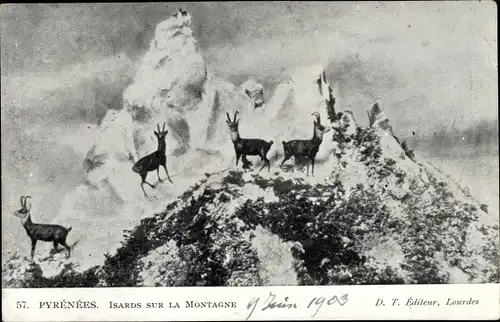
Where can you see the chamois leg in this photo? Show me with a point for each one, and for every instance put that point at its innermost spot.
(263, 164)
(142, 187)
(287, 157)
(55, 250)
(158, 173)
(246, 162)
(166, 171)
(63, 242)
(264, 158)
(143, 176)
(312, 165)
(266, 163)
(33, 246)
(238, 155)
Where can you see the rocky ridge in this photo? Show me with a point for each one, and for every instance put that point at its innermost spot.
(378, 218)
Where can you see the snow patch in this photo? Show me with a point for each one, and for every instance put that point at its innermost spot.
(154, 264)
(253, 192)
(275, 257)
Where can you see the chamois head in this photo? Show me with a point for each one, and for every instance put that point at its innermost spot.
(160, 134)
(24, 211)
(233, 124)
(319, 129)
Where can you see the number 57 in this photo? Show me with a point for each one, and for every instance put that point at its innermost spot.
(21, 304)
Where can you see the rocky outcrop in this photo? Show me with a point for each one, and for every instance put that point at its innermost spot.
(289, 112)
(169, 82)
(255, 91)
(115, 143)
(172, 72)
(377, 117)
(379, 218)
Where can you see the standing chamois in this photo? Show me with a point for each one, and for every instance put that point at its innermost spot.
(44, 232)
(154, 160)
(244, 147)
(306, 148)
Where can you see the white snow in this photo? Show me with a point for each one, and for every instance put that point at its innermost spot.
(275, 258)
(254, 192)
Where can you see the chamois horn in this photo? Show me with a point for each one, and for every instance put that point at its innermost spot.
(235, 113)
(25, 200)
(22, 201)
(318, 118)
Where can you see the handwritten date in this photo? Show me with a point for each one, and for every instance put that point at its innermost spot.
(272, 303)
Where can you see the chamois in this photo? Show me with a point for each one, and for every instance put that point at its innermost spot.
(153, 161)
(244, 147)
(44, 232)
(306, 148)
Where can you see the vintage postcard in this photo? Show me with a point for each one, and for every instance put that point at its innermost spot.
(249, 161)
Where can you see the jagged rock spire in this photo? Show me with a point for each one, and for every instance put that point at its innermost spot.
(327, 92)
(376, 115)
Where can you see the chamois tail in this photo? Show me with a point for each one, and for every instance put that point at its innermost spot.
(135, 168)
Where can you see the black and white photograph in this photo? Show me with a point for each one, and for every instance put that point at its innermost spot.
(235, 144)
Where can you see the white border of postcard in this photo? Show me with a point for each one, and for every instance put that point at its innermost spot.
(381, 302)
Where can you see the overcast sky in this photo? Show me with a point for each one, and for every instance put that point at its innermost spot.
(432, 63)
